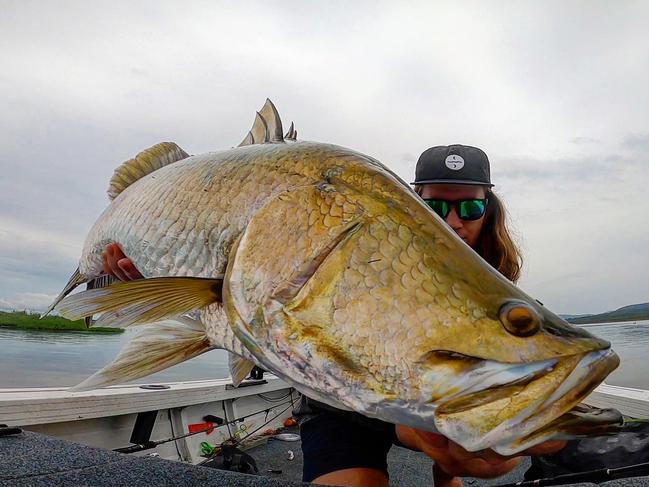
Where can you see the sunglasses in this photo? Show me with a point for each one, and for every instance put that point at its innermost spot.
(468, 210)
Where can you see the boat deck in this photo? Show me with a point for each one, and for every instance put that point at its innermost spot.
(42, 457)
(38, 460)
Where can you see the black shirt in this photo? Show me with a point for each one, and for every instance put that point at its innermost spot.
(333, 439)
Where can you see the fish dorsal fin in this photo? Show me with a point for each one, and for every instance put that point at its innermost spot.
(144, 163)
(291, 134)
(267, 126)
(259, 129)
(273, 122)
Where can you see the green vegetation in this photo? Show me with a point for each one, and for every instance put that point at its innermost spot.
(633, 312)
(32, 321)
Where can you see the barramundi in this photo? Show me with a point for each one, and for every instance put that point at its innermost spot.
(319, 264)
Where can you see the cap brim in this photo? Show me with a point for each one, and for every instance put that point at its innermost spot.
(453, 181)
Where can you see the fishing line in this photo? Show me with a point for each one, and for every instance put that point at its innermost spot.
(152, 444)
(173, 433)
(264, 424)
(225, 415)
(593, 476)
(274, 399)
(236, 443)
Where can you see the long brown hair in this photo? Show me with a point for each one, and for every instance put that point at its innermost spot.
(496, 245)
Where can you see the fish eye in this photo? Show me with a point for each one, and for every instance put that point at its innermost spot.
(519, 319)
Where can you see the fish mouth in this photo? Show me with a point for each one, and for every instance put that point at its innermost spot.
(535, 403)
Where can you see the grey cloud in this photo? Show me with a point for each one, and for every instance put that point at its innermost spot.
(568, 172)
(409, 158)
(28, 264)
(637, 142)
(27, 301)
(584, 140)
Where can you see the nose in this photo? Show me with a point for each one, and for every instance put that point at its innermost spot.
(452, 220)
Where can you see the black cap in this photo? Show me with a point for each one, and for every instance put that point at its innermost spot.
(453, 164)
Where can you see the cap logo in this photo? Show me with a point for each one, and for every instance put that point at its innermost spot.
(454, 162)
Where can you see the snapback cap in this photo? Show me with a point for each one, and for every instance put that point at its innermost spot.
(453, 164)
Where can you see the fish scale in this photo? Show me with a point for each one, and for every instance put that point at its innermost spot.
(321, 265)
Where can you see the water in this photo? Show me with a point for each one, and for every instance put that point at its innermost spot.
(630, 341)
(32, 358)
(44, 359)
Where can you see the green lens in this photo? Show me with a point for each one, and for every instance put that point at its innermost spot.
(438, 206)
(471, 209)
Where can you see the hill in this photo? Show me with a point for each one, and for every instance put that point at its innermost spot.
(632, 312)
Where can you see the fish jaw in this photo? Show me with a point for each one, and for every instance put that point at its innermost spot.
(526, 409)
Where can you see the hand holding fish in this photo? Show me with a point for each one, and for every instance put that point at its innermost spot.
(454, 461)
(118, 265)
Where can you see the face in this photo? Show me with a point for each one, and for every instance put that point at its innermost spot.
(469, 231)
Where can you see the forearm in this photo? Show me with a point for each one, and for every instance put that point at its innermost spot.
(406, 438)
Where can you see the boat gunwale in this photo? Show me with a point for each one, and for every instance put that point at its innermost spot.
(31, 406)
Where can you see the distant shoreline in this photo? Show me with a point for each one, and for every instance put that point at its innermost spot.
(32, 321)
(592, 320)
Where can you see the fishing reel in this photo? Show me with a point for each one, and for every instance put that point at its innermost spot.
(257, 373)
(232, 458)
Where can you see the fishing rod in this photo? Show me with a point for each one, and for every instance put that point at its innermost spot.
(593, 476)
(290, 404)
(219, 422)
(230, 455)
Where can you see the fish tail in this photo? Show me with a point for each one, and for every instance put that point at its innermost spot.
(157, 347)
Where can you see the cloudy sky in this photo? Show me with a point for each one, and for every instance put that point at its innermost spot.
(555, 92)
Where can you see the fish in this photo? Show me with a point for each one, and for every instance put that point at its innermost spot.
(319, 264)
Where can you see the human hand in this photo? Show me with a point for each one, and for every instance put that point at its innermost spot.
(118, 265)
(453, 461)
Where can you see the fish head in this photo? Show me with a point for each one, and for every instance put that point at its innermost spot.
(356, 291)
(500, 367)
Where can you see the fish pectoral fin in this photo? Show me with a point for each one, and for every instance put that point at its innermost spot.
(291, 134)
(144, 163)
(239, 368)
(157, 347)
(142, 301)
(75, 280)
(289, 290)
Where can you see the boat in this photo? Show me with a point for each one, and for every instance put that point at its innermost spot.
(176, 420)
(125, 416)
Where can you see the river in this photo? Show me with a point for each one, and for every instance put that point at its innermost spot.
(44, 359)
